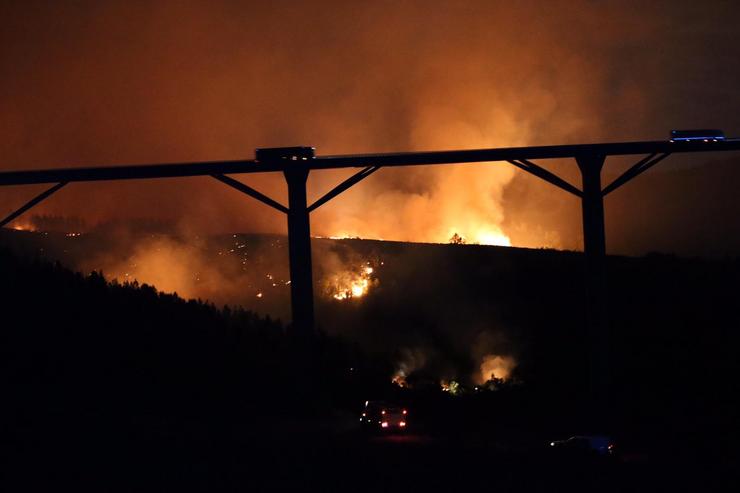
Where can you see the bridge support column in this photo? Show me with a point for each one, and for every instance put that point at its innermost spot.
(594, 247)
(299, 245)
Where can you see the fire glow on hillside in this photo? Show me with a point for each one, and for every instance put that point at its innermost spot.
(495, 368)
(352, 283)
(482, 236)
(23, 226)
(400, 380)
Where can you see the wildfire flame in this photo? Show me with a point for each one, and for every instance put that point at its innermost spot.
(23, 226)
(481, 236)
(452, 387)
(352, 284)
(490, 237)
(400, 380)
(495, 367)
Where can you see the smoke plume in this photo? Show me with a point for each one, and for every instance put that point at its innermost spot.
(127, 82)
(495, 367)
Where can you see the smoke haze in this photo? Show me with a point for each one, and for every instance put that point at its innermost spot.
(120, 82)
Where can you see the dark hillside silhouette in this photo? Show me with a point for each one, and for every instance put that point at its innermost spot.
(162, 384)
(92, 365)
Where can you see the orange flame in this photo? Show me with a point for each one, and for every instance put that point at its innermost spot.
(400, 380)
(498, 367)
(352, 284)
(23, 226)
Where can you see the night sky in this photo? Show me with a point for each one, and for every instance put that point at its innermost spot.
(104, 83)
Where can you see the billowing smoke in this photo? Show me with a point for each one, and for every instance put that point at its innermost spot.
(173, 266)
(410, 361)
(494, 355)
(125, 82)
(236, 269)
(101, 83)
(465, 201)
(495, 367)
(245, 270)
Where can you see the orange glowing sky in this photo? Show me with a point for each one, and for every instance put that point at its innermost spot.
(121, 82)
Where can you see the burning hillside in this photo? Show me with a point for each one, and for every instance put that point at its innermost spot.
(23, 226)
(418, 366)
(428, 95)
(431, 312)
(384, 295)
(352, 283)
(495, 368)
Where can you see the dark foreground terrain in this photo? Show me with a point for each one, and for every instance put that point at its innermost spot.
(117, 387)
(268, 454)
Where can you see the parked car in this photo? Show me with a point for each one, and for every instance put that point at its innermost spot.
(591, 445)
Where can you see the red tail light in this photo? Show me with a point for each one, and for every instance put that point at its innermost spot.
(402, 424)
(384, 424)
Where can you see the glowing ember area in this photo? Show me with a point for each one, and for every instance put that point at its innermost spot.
(400, 380)
(490, 237)
(342, 236)
(23, 226)
(352, 284)
(452, 387)
(189, 268)
(481, 237)
(466, 200)
(495, 367)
